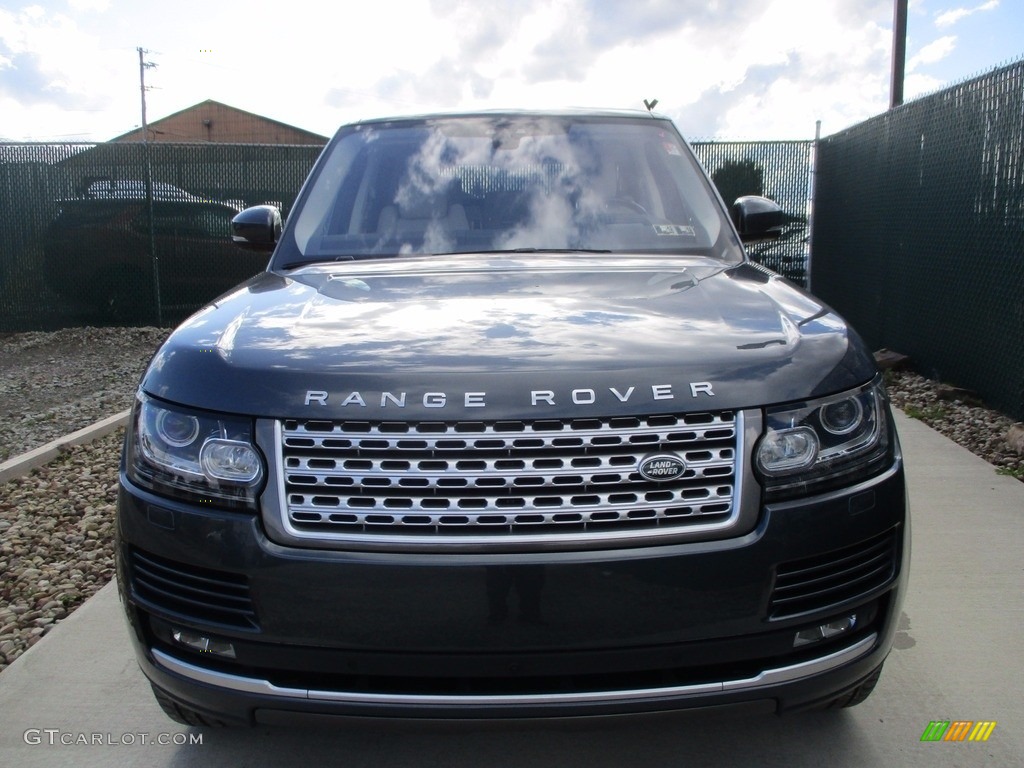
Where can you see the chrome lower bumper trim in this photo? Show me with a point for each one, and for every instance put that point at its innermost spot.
(764, 679)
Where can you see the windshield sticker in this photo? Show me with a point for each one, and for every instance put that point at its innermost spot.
(670, 148)
(674, 230)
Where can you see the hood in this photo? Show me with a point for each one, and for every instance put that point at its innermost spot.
(486, 338)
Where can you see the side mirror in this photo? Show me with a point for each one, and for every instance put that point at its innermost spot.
(758, 218)
(257, 228)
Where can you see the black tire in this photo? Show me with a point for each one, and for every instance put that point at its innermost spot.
(182, 714)
(855, 696)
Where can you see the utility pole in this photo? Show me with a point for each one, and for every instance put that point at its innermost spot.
(143, 66)
(899, 52)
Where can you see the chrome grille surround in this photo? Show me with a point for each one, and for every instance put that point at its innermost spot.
(500, 484)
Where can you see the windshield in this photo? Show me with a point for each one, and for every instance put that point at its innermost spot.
(520, 183)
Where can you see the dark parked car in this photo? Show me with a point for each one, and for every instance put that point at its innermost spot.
(510, 427)
(98, 250)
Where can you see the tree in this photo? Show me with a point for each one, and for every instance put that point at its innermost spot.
(735, 178)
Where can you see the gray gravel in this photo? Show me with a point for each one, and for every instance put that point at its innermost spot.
(958, 416)
(54, 383)
(56, 541)
(56, 524)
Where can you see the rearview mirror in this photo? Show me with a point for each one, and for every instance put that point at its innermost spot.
(257, 228)
(758, 218)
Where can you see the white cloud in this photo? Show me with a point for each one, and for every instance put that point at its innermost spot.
(949, 18)
(50, 68)
(833, 66)
(33, 12)
(89, 5)
(742, 68)
(916, 85)
(934, 52)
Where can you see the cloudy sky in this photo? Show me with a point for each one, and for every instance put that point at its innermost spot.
(743, 69)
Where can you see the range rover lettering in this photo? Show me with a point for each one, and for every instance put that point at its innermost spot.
(510, 427)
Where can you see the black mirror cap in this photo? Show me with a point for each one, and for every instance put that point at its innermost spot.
(257, 228)
(758, 218)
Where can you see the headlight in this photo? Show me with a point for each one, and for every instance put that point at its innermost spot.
(818, 445)
(193, 455)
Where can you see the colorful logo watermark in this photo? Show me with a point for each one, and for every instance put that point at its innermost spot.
(958, 730)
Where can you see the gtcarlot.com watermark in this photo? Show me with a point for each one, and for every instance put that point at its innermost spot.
(56, 737)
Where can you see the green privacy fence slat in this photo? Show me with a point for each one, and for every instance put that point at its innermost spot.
(780, 170)
(919, 233)
(106, 244)
(195, 186)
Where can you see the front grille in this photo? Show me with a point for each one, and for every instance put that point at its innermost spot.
(200, 594)
(501, 479)
(823, 582)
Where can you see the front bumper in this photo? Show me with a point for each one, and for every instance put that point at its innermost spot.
(513, 635)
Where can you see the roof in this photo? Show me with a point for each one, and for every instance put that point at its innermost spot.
(206, 113)
(537, 113)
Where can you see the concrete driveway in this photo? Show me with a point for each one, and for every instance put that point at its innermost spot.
(77, 698)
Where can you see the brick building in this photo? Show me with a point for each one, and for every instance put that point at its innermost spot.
(211, 121)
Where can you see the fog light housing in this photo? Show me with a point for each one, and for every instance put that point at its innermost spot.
(203, 644)
(825, 631)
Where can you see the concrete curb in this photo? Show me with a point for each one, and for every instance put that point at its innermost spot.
(26, 462)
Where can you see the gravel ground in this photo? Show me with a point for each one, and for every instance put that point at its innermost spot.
(55, 383)
(56, 541)
(958, 416)
(56, 524)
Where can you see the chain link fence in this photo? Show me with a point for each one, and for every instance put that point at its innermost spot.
(918, 227)
(780, 170)
(919, 233)
(80, 244)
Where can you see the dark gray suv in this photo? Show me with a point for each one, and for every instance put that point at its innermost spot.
(510, 427)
